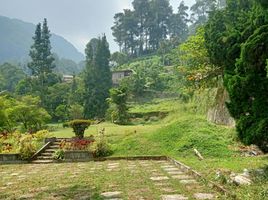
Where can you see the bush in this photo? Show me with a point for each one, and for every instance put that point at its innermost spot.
(78, 126)
(58, 155)
(101, 147)
(27, 147)
(39, 137)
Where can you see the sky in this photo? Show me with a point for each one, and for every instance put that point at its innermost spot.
(78, 21)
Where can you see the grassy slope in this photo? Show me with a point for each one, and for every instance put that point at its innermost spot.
(176, 136)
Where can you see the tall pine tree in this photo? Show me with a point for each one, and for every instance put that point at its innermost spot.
(41, 64)
(97, 78)
(40, 53)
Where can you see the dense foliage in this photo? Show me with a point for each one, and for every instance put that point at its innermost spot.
(140, 31)
(151, 23)
(97, 78)
(24, 111)
(117, 111)
(240, 47)
(78, 126)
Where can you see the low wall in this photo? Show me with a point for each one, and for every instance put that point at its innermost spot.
(78, 156)
(11, 159)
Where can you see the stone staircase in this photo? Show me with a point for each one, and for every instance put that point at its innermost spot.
(47, 155)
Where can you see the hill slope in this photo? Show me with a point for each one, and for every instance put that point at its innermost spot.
(16, 39)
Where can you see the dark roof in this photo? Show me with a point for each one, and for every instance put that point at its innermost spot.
(126, 70)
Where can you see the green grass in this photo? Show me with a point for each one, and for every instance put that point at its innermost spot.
(176, 136)
(89, 180)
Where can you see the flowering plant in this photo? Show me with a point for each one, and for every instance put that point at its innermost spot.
(76, 143)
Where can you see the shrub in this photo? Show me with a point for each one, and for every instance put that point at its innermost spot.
(58, 155)
(27, 147)
(78, 126)
(101, 147)
(40, 136)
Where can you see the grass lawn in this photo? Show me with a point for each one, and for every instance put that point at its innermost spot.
(134, 180)
(176, 136)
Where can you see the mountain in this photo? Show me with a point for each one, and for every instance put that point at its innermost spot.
(16, 40)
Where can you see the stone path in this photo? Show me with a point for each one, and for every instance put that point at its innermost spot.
(111, 180)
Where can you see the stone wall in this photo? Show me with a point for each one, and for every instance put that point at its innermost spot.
(10, 159)
(78, 156)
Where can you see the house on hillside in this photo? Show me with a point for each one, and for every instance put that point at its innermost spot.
(117, 76)
(67, 78)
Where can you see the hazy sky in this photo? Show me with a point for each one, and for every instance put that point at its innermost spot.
(76, 20)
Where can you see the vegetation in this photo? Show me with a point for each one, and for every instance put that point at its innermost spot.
(241, 51)
(24, 144)
(25, 111)
(176, 136)
(117, 111)
(185, 69)
(78, 126)
(97, 78)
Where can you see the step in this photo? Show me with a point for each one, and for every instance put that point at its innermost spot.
(50, 150)
(44, 157)
(43, 161)
(54, 147)
(56, 143)
(47, 154)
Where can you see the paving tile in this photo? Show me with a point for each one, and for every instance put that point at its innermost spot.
(27, 196)
(191, 181)
(167, 166)
(85, 197)
(110, 195)
(175, 172)
(174, 197)
(161, 184)
(170, 169)
(203, 196)
(181, 177)
(167, 190)
(159, 178)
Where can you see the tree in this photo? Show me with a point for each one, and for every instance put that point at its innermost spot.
(243, 53)
(40, 52)
(141, 12)
(41, 64)
(97, 78)
(178, 24)
(119, 58)
(76, 111)
(140, 31)
(118, 105)
(57, 100)
(28, 112)
(159, 20)
(200, 11)
(10, 75)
